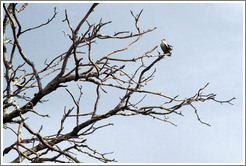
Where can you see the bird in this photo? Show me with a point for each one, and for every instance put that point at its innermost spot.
(166, 48)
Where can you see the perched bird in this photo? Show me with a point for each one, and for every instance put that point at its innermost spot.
(166, 48)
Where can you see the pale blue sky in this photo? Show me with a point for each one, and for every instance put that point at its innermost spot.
(207, 41)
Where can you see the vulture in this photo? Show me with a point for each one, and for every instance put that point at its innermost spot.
(166, 48)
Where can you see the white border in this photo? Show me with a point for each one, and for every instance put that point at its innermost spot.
(123, 1)
(244, 82)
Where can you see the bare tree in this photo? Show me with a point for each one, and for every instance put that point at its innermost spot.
(106, 71)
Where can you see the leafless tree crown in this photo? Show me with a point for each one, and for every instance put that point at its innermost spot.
(106, 71)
